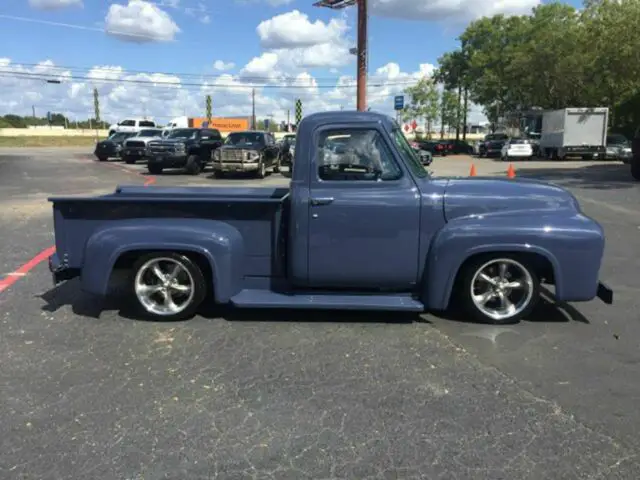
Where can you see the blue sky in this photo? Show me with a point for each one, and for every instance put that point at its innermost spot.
(189, 36)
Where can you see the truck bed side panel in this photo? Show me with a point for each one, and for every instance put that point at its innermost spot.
(260, 224)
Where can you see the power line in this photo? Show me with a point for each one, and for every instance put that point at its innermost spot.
(45, 76)
(99, 68)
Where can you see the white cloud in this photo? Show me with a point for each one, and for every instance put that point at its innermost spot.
(456, 10)
(222, 66)
(164, 96)
(54, 4)
(295, 30)
(140, 21)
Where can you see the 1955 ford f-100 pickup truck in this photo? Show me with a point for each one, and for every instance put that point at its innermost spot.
(361, 227)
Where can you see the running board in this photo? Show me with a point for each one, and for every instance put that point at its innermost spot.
(326, 301)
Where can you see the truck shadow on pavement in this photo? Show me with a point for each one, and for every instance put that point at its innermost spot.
(609, 176)
(84, 304)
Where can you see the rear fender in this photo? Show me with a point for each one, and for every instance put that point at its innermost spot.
(218, 242)
(574, 249)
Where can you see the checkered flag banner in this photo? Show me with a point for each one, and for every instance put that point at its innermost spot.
(298, 111)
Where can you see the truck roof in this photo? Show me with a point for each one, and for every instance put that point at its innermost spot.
(346, 116)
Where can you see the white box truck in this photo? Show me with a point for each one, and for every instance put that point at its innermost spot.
(574, 132)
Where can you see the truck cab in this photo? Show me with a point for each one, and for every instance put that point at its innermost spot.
(362, 226)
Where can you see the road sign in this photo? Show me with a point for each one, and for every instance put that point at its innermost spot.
(414, 124)
(398, 102)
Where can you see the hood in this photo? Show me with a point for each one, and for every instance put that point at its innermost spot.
(477, 195)
(145, 140)
(108, 142)
(170, 141)
(242, 147)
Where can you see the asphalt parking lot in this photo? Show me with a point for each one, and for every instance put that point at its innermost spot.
(89, 392)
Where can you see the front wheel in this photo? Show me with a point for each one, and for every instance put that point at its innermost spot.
(262, 171)
(129, 160)
(194, 165)
(168, 286)
(498, 290)
(635, 168)
(103, 159)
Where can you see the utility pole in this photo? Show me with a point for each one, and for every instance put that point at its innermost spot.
(288, 120)
(362, 44)
(362, 56)
(96, 109)
(33, 110)
(253, 104)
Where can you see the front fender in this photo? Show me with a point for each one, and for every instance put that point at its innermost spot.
(572, 242)
(220, 243)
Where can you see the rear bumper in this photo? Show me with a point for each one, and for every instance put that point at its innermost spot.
(59, 271)
(605, 293)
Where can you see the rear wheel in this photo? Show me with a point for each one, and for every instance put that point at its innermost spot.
(129, 160)
(154, 169)
(168, 286)
(499, 289)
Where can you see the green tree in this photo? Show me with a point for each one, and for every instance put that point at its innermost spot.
(449, 111)
(424, 102)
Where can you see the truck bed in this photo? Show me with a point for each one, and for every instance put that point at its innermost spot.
(259, 214)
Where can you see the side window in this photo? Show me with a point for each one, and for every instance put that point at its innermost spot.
(269, 139)
(215, 134)
(128, 123)
(206, 134)
(147, 123)
(355, 154)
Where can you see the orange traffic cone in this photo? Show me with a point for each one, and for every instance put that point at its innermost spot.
(511, 173)
(473, 172)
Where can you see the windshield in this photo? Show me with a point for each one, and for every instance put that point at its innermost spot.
(245, 139)
(182, 133)
(149, 133)
(617, 139)
(518, 141)
(117, 137)
(408, 154)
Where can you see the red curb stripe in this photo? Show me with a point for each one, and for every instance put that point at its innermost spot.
(21, 271)
(26, 268)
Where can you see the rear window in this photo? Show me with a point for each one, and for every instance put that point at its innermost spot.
(496, 136)
(519, 141)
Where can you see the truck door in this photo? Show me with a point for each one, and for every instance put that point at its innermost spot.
(364, 213)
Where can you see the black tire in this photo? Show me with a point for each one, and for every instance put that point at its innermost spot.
(276, 166)
(129, 160)
(635, 169)
(218, 174)
(103, 159)
(261, 172)
(154, 169)
(194, 165)
(468, 276)
(199, 285)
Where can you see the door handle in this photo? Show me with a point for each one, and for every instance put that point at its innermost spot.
(322, 200)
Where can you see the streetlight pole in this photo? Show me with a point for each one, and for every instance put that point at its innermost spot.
(361, 96)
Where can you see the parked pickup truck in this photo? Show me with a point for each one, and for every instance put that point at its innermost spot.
(187, 148)
(361, 227)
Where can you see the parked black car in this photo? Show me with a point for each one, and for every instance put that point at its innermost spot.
(250, 151)
(188, 148)
(112, 146)
(433, 146)
(492, 144)
(458, 147)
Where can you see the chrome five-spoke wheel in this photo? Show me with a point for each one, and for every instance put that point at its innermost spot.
(500, 290)
(168, 286)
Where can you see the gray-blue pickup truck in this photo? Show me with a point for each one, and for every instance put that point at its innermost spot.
(363, 227)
